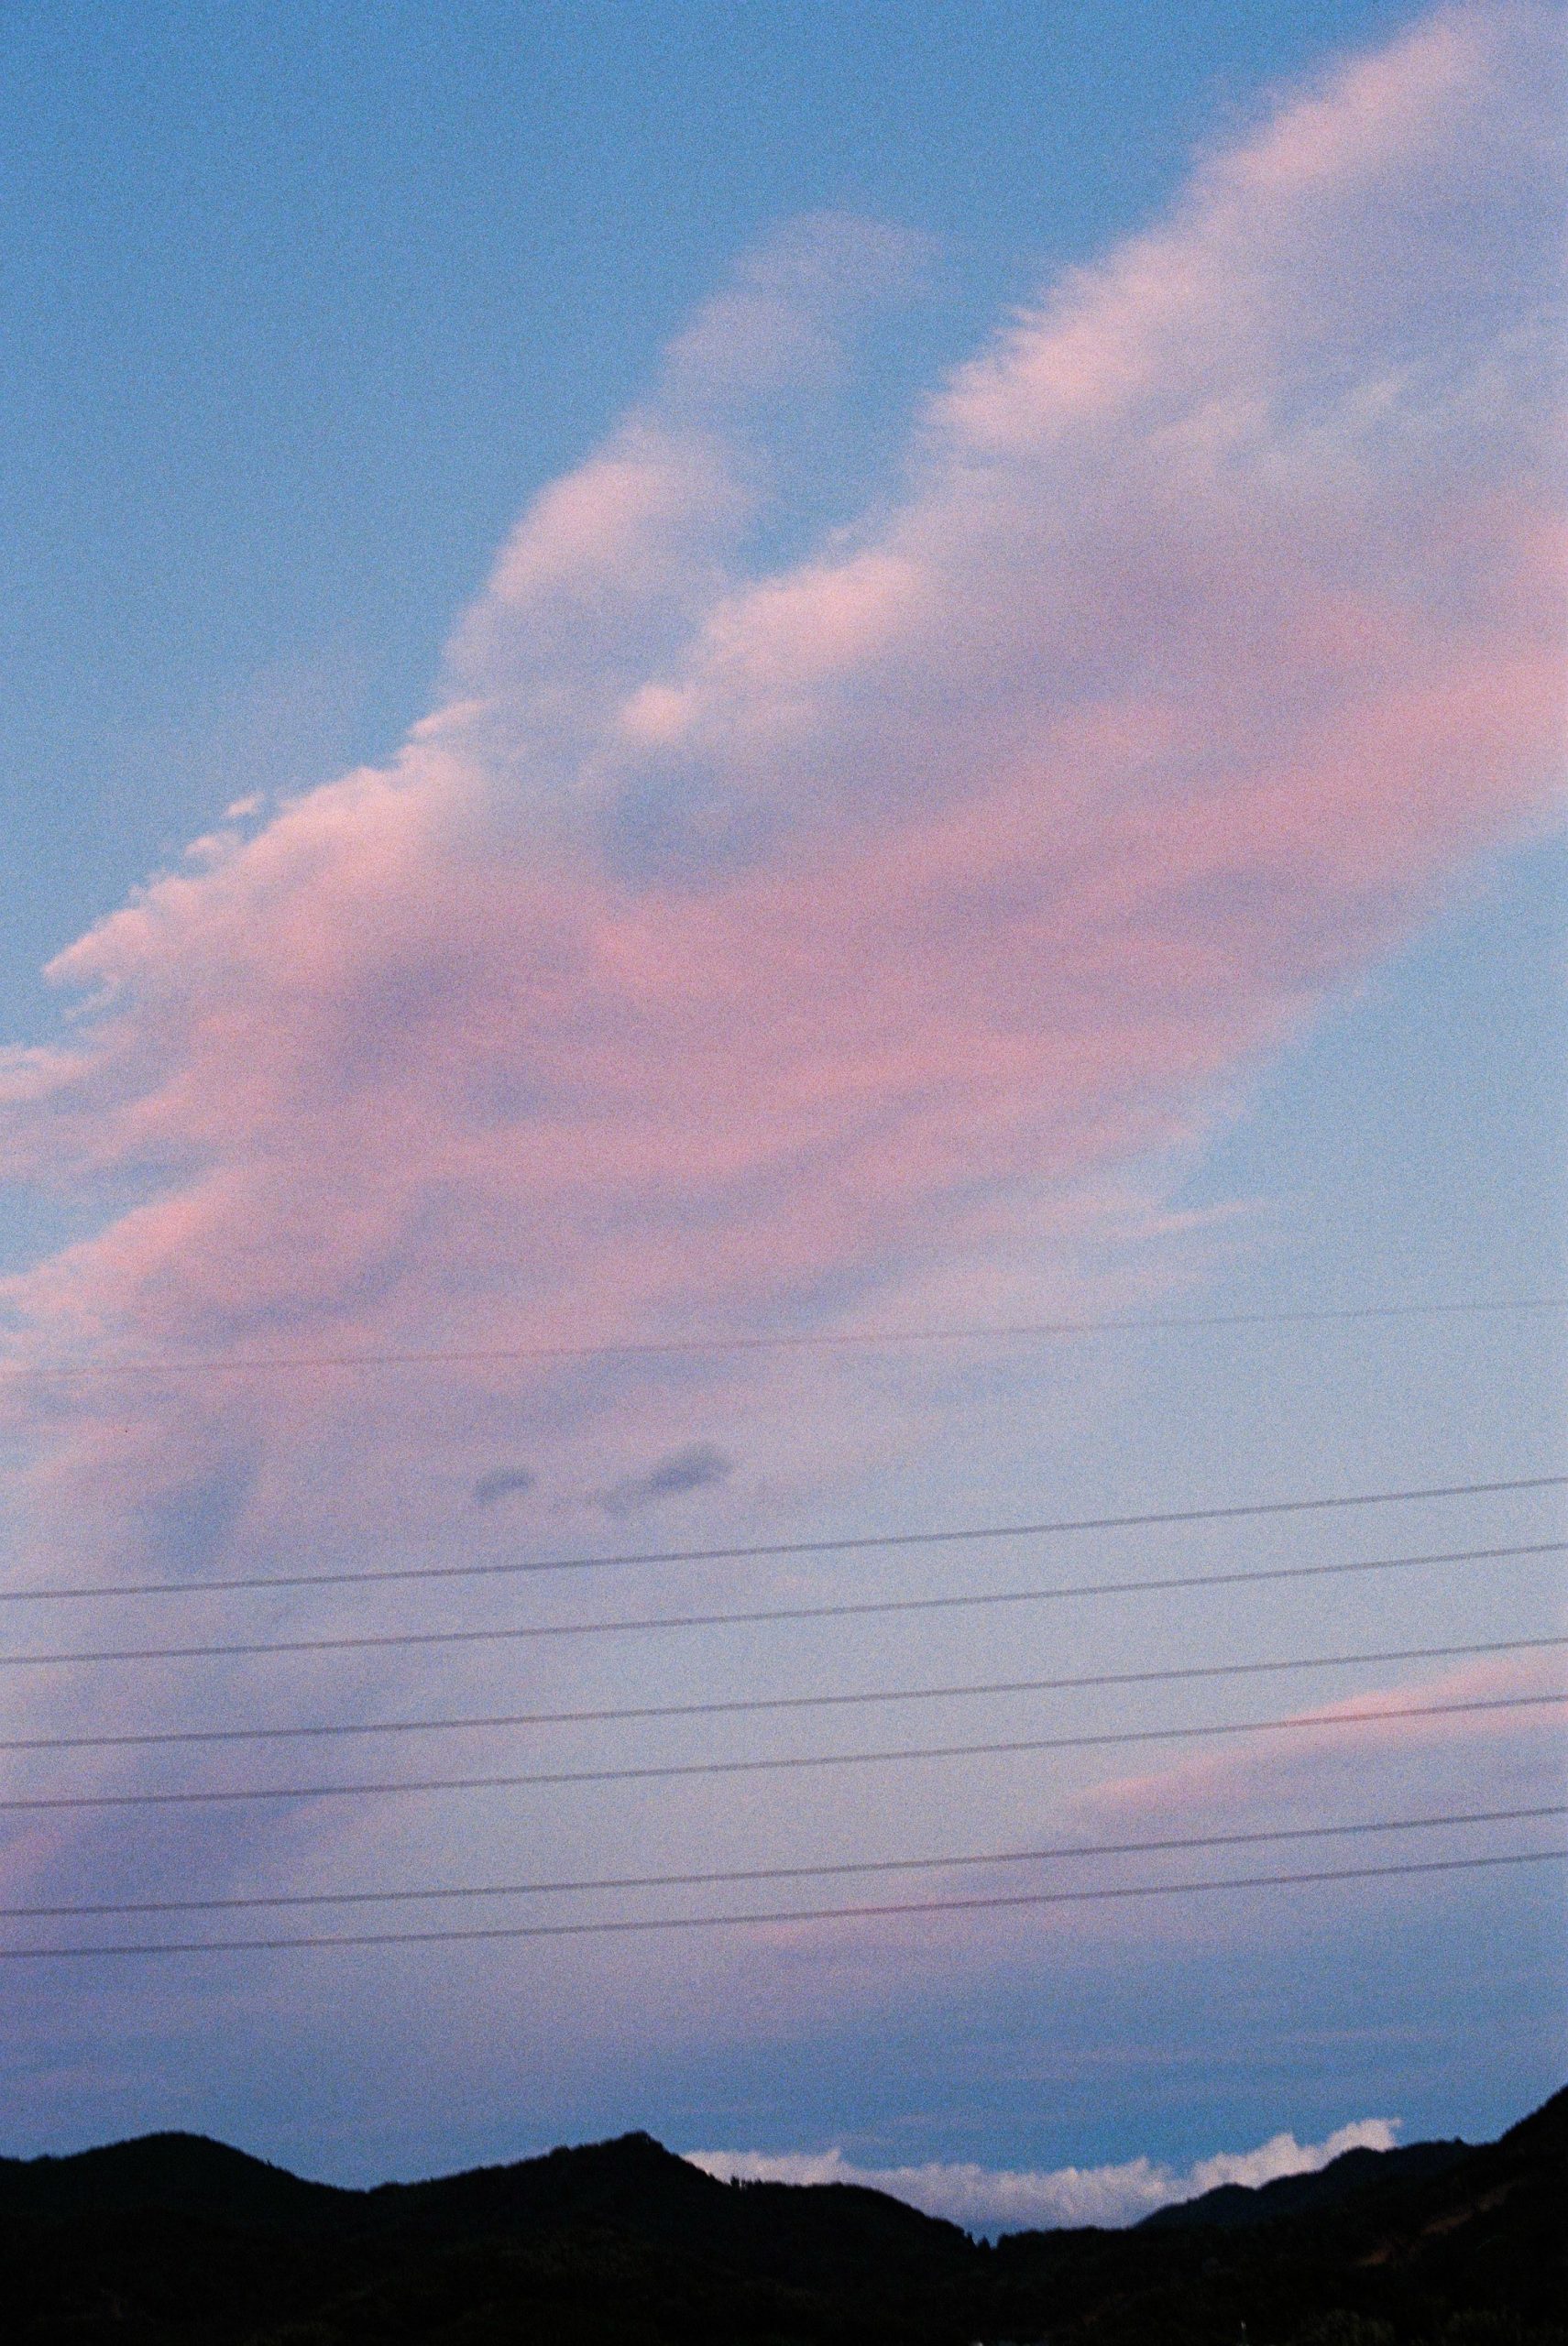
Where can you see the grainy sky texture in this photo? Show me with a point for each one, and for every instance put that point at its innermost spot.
(1005, 773)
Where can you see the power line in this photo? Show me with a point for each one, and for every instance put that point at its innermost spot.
(852, 1608)
(790, 1914)
(1147, 1520)
(738, 1705)
(632, 1348)
(654, 1771)
(783, 1873)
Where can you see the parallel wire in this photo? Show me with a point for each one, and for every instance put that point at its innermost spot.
(619, 1923)
(648, 1772)
(1059, 1527)
(729, 1708)
(888, 1339)
(781, 1873)
(849, 1609)
(781, 1549)
(852, 1608)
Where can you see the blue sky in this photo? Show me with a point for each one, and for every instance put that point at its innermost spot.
(1002, 773)
(305, 302)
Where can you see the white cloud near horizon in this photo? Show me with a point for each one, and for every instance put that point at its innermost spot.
(998, 2199)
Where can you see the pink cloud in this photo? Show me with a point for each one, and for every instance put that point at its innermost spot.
(1496, 1755)
(782, 1976)
(722, 947)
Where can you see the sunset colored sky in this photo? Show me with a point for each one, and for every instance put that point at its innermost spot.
(698, 690)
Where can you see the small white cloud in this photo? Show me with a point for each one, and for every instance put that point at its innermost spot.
(999, 2200)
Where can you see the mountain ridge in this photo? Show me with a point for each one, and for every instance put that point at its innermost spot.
(176, 2240)
(1258, 2203)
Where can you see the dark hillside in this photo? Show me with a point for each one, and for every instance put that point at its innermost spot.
(634, 2185)
(1484, 2234)
(175, 2241)
(1296, 2195)
(187, 2174)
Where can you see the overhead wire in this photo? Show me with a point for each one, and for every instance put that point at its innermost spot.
(848, 1609)
(845, 1609)
(654, 1771)
(733, 1707)
(1058, 1527)
(771, 1918)
(859, 1339)
(945, 1863)
(893, 1540)
(871, 1340)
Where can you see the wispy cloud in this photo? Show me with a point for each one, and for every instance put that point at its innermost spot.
(728, 947)
(697, 1467)
(503, 1483)
(1495, 1753)
(999, 2200)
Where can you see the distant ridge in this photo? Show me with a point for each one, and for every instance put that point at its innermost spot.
(189, 2173)
(1291, 2195)
(174, 2240)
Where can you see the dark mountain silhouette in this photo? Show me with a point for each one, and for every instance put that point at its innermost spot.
(184, 2173)
(175, 2241)
(1291, 2195)
(1478, 2250)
